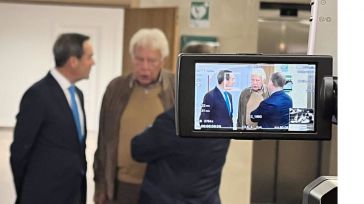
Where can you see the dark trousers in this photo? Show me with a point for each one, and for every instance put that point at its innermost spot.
(126, 193)
(77, 197)
(81, 196)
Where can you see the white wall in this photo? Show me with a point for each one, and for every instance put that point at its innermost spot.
(27, 34)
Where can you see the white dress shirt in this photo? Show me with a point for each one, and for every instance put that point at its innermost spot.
(65, 84)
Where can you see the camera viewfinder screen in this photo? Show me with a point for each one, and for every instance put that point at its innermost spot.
(255, 97)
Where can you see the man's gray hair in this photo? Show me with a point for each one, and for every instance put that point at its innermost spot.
(278, 79)
(259, 72)
(152, 38)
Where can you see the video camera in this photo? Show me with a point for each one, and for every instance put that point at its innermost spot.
(294, 99)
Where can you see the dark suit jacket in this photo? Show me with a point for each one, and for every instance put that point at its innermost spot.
(47, 159)
(179, 170)
(215, 109)
(273, 112)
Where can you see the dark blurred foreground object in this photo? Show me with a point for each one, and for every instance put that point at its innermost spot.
(322, 190)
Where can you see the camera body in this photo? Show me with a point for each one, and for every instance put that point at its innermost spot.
(292, 99)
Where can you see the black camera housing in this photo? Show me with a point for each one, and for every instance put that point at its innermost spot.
(187, 91)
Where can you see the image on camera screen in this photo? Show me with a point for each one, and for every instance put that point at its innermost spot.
(254, 97)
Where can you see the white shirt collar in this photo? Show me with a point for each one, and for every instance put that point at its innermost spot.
(65, 84)
(62, 81)
(221, 90)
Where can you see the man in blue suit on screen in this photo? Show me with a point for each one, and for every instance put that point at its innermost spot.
(273, 112)
(217, 106)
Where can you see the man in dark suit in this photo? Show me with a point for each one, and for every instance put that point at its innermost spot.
(48, 152)
(217, 106)
(180, 170)
(273, 112)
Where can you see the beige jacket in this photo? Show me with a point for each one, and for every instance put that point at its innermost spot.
(243, 100)
(113, 105)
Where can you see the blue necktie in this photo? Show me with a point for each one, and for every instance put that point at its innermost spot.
(227, 102)
(75, 114)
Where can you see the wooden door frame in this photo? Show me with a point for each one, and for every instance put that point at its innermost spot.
(163, 18)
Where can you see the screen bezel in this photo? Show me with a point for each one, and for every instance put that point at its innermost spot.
(185, 107)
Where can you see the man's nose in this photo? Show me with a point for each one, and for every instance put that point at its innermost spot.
(145, 64)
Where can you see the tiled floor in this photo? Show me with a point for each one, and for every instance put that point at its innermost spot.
(235, 184)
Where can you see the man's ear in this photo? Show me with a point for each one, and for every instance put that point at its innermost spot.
(73, 61)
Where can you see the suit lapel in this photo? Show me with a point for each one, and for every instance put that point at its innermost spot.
(221, 99)
(60, 100)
